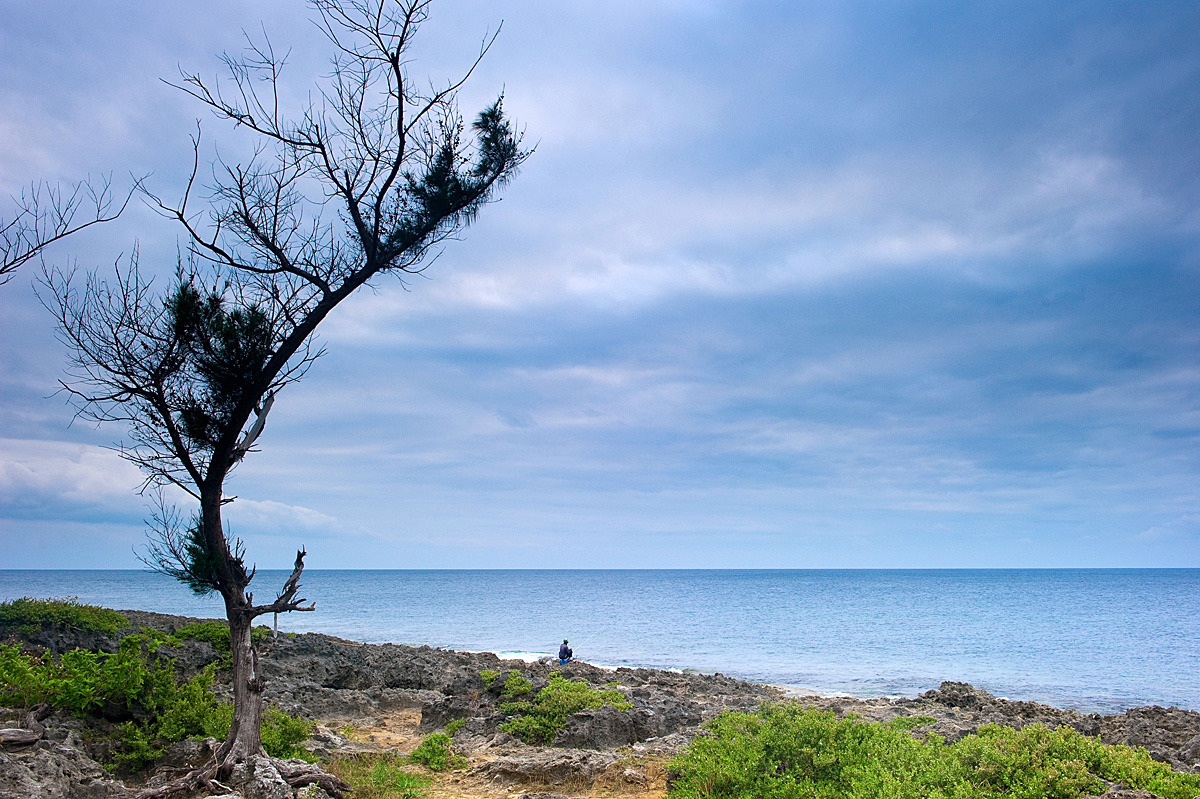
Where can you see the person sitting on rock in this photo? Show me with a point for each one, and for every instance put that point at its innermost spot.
(564, 654)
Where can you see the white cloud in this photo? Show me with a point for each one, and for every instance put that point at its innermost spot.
(75, 474)
(271, 515)
(590, 111)
(1185, 528)
(647, 241)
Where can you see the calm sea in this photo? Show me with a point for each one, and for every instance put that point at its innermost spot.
(1092, 639)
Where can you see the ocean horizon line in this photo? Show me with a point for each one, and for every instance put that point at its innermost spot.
(764, 569)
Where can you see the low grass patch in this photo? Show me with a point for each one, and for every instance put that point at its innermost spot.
(385, 776)
(785, 751)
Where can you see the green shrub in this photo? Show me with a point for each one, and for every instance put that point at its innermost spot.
(282, 734)
(489, 677)
(436, 754)
(909, 722)
(214, 632)
(79, 680)
(516, 685)
(540, 720)
(1135, 768)
(454, 726)
(217, 634)
(184, 710)
(173, 712)
(29, 615)
(788, 751)
(22, 684)
(165, 711)
(135, 748)
(533, 729)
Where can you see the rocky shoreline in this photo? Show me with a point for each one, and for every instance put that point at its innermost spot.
(376, 697)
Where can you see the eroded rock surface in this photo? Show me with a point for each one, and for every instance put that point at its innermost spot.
(52, 769)
(547, 766)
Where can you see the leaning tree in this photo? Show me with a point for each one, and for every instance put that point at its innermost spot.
(364, 181)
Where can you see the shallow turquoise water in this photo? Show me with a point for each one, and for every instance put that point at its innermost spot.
(1093, 639)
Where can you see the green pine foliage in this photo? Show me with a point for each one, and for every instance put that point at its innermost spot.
(199, 567)
(540, 720)
(29, 615)
(227, 349)
(785, 751)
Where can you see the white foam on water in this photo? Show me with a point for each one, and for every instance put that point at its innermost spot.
(527, 657)
(534, 657)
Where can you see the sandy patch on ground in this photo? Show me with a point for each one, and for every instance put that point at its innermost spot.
(394, 731)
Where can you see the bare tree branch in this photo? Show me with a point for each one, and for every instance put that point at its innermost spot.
(46, 214)
(287, 601)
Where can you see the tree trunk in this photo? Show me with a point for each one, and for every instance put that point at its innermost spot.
(245, 736)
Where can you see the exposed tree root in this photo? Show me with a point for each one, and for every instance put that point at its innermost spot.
(299, 778)
(190, 783)
(204, 778)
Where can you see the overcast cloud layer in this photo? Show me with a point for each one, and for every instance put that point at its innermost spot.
(784, 285)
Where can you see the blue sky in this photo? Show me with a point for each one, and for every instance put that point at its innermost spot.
(784, 285)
